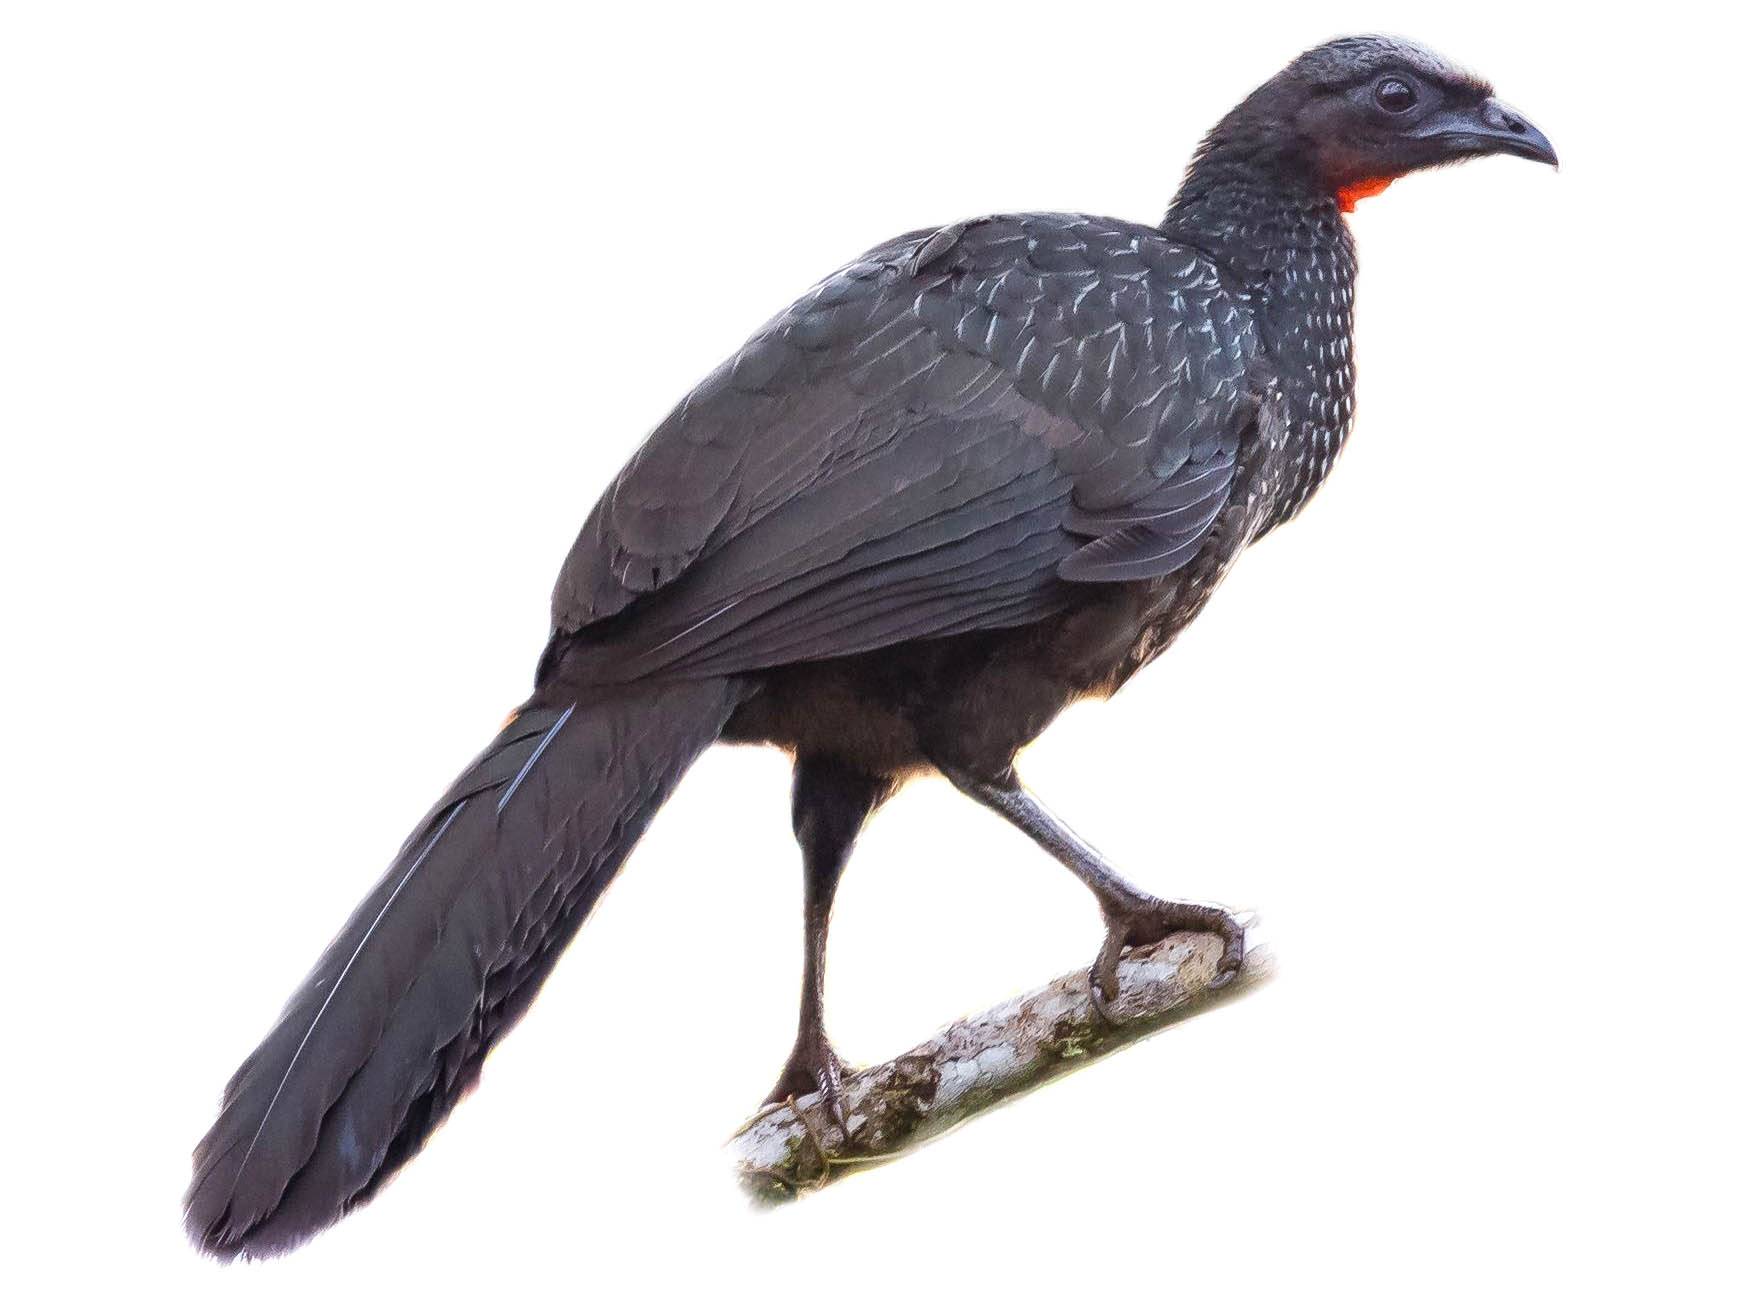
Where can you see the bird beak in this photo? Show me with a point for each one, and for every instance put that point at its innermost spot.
(1491, 127)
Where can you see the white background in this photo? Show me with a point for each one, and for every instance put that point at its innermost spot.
(322, 325)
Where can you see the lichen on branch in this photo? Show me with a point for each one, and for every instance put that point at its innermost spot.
(794, 1147)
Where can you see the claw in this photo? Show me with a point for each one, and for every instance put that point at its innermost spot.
(1151, 920)
(831, 1097)
(813, 1068)
(1104, 975)
(1233, 933)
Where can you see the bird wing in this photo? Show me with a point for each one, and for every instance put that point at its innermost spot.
(944, 436)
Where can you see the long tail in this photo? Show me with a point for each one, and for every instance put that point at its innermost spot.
(440, 959)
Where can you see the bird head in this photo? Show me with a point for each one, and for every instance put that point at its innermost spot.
(1354, 114)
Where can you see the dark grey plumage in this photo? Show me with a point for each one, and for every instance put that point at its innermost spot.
(978, 473)
(440, 959)
(956, 425)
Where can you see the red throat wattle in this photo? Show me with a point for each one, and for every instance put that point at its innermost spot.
(1352, 194)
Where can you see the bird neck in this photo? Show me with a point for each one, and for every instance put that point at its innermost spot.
(1257, 217)
(1279, 241)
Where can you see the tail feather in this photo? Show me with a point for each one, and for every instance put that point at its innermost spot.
(442, 957)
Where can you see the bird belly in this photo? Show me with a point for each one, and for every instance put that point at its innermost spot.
(973, 701)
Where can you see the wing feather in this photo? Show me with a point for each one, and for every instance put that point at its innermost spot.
(941, 437)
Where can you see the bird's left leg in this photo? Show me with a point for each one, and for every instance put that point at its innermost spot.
(1133, 917)
(830, 802)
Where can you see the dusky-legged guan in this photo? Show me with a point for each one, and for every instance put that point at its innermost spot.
(978, 473)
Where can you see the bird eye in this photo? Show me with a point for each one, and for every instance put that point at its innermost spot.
(1394, 95)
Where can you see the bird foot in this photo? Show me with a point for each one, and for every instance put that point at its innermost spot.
(813, 1068)
(1148, 920)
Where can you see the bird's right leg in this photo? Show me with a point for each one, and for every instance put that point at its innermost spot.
(1133, 917)
(830, 802)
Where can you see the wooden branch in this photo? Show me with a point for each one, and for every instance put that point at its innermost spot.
(792, 1148)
